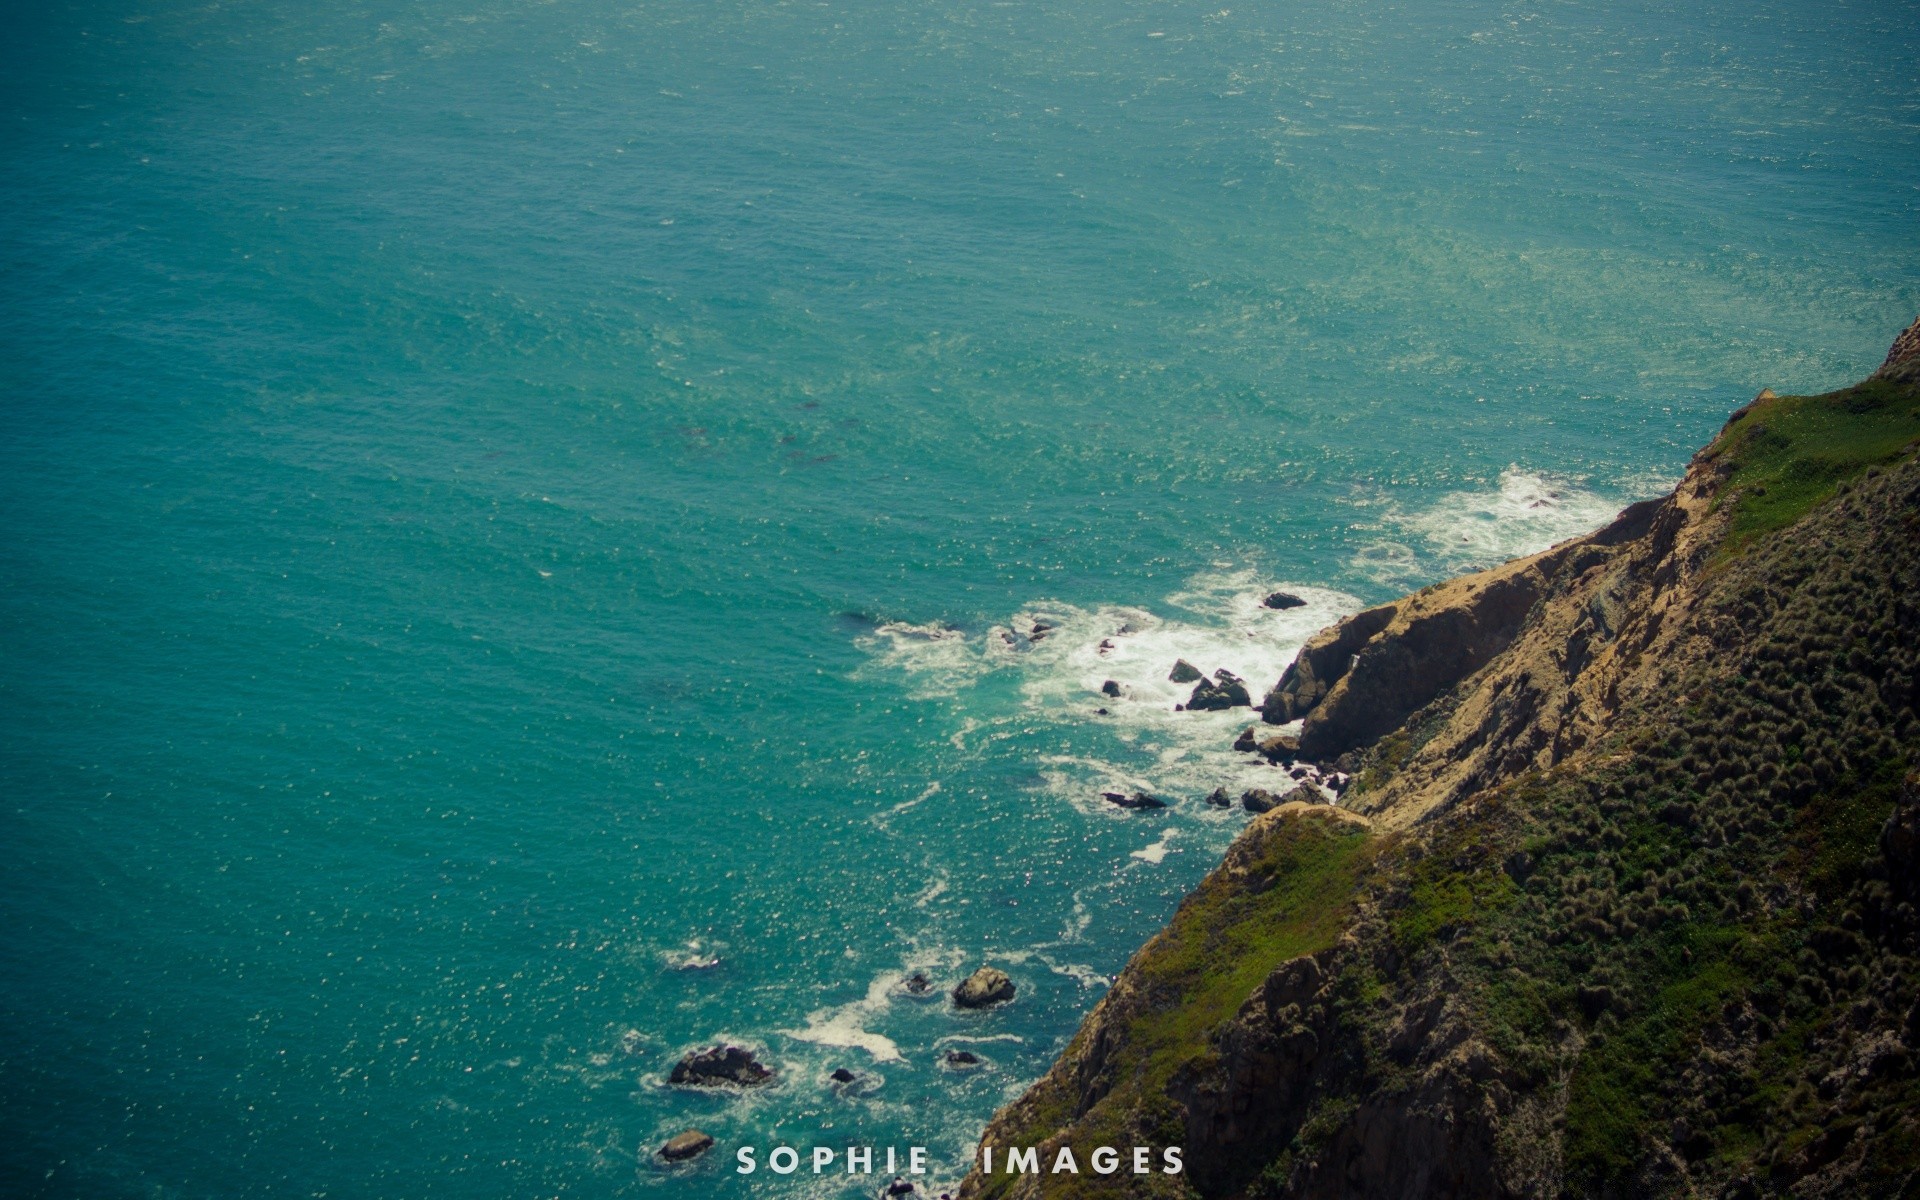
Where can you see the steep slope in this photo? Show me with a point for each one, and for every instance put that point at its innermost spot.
(1623, 900)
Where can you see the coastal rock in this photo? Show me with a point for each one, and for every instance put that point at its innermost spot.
(720, 1066)
(1279, 749)
(1111, 688)
(1219, 799)
(961, 1058)
(1246, 743)
(1283, 601)
(1185, 672)
(1135, 800)
(917, 984)
(683, 1146)
(986, 986)
(842, 1075)
(1903, 359)
(1260, 800)
(899, 1187)
(1226, 690)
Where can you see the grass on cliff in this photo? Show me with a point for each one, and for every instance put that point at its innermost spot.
(1226, 938)
(1786, 454)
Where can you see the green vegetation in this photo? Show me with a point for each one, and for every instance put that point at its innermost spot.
(1786, 454)
(1291, 899)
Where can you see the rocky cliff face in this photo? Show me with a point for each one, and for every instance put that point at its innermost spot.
(1622, 901)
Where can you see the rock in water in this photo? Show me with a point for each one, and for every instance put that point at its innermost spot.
(683, 1146)
(1283, 600)
(1246, 743)
(1184, 672)
(899, 1187)
(962, 1058)
(1226, 690)
(1280, 749)
(1219, 799)
(1110, 688)
(842, 1075)
(988, 985)
(720, 1066)
(1137, 800)
(1259, 800)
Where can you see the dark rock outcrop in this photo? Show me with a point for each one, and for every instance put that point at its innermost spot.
(1185, 672)
(986, 986)
(961, 1058)
(720, 1066)
(1133, 800)
(1225, 690)
(1219, 799)
(1283, 601)
(1260, 800)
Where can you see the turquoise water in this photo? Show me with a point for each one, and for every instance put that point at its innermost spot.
(506, 502)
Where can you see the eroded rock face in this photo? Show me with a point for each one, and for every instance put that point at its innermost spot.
(1903, 359)
(1365, 677)
(720, 1066)
(987, 986)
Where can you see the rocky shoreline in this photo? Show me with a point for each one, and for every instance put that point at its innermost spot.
(1619, 894)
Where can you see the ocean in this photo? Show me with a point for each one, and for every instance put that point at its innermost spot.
(524, 523)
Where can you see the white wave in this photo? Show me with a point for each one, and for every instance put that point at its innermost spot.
(1067, 661)
(846, 1025)
(940, 659)
(1524, 514)
(976, 1040)
(884, 819)
(933, 891)
(1156, 853)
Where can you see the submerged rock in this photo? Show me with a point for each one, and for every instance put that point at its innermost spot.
(1226, 690)
(1283, 600)
(720, 1066)
(988, 985)
(917, 984)
(1185, 672)
(683, 1146)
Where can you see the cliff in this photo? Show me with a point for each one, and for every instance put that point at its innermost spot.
(1622, 900)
